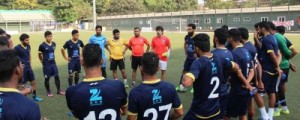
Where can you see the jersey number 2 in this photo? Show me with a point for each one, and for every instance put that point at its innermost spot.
(214, 81)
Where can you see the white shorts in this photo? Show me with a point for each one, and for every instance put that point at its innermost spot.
(163, 65)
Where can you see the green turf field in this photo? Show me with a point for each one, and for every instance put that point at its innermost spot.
(55, 108)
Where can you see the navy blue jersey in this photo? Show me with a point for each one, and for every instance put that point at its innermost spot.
(47, 51)
(15, 106)
(190, 50)
(97, 99)
(269, 44)
(208, 73)
(24, 54)
(153, 100)
(251, 49)
(73, 48)
(243, 58)
(224, 54)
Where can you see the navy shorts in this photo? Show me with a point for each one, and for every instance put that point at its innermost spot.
(270, 82)
(191, 116)
(223, 103)
(237, 104)
(28, 75)
(114, 64)
(74, 66)
(187, 65)
(50, 70)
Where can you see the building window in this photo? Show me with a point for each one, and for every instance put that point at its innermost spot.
(140, 22)
(247, 19)
(264, 19)
(184, 21)
(220, 20)
(148, 21)
(281, 18)
(236, 19)
(196, 21)
(207, 21)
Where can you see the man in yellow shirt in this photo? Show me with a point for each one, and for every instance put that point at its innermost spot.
(115, 47)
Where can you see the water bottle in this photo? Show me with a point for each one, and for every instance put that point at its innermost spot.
(283, 76)
(252, 92)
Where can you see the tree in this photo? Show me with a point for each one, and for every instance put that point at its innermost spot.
(160, 5)
(125, 7)
(24, 4)
(83, 9)
(47, 4)
(220, 4)
(65, 12)
(186, 5)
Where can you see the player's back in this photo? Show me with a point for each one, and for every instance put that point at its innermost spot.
(252, 50)
(15, 106)
(153, 100)
(97, 98)
(243, 58)
(224, 54)
(206, 86)
(269, 44)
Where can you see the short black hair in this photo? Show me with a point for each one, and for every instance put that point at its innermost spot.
(265, 25)
(3, 41)
(9, 60)
(150, 63)
(47, 33)
(2, 31)
(8, 36)
(202, 42)
(222, 35)
(225, 27)
(116, 31)
(98, 26)
(23, 37)
(272, 25)
(192, 25)
(137, 28)
(256, 25)
(74, 32)
(244, 33)
(161, 28)
(280, 29)
(235, 34)
(92, 55)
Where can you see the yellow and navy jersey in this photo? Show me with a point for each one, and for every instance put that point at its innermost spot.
(243, 58)
(24, 54)
(47, 51)
(190, 49)
(269, 44)
(207, 73)
(73, 48)
(224, 54)
(153, 100)
(97, 99)
(15, 106)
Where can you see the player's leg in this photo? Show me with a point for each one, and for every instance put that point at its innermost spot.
(134, 66)
(251, 110)
(163, 67)
(261, 106)
(121, 65)
(47, 74)
(77, 71)
(113, 68)
(57, 80)
(271, 90)
(282, 91)
(103, 70)
(71, 68)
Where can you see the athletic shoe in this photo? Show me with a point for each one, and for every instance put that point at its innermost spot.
(126, 85)
(285, 111)
(61, 92)
(276, 114)
(37, 99)
(133, 84)
(49, 94)
(192, 90)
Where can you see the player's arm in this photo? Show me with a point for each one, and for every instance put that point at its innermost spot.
(107, 48)
(258, 74)
(272, 55)
(283, 47)
(238, 72)
(190, 77)
(294, 51)
(64, 54)
(40, 54)
(148, 44)
(177, 113)
(256, 39)
(132, 105)
(250, 75)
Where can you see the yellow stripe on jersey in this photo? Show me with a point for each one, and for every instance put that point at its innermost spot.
(125, 105)
(232, 63)
(269, 51)
(151, 81)
(270, 73)
(202, 117)
(93, 79)
(9, 90)
(191, 76)
(180, 107)
(291, 47)
(131, 113)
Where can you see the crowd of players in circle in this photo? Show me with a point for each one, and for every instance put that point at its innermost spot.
(226, 82)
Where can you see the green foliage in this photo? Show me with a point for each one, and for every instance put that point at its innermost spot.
(47, 4)
(83, 9)
(125, 7)
(18, 4)
(65, 11)
(186, 4)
